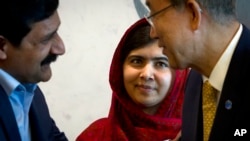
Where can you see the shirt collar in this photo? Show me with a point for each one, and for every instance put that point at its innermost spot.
(9, 83)
(219, 72)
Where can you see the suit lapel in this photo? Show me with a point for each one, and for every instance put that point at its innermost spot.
(192, 107)
(37, 118)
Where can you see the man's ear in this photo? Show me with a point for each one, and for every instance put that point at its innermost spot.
(3, 48)
(197, 13)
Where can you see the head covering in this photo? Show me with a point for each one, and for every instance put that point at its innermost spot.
(126, 121)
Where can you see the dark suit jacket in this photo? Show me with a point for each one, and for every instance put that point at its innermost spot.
(43, 128)
(236, 89)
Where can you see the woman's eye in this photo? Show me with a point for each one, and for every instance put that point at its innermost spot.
(136, 61)
(162, 64)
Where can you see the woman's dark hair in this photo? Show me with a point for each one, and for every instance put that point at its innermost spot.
(137, 39)
(137, 36)
(17, 16)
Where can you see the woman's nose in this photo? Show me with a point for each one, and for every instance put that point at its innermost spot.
(147, 72)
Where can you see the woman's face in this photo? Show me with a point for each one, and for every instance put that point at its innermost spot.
(147, 77)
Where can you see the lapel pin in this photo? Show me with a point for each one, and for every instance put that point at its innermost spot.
(228, 104)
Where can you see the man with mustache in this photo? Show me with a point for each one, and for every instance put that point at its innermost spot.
(29, 42)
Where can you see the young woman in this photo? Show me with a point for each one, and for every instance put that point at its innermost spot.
(147, 94)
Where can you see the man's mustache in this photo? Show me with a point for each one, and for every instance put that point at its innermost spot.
(50, 58)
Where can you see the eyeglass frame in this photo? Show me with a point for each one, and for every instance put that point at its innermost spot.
(149, 17)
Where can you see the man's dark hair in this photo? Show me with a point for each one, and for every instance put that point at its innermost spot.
(17, 16)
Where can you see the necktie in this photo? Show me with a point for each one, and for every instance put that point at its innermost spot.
(209, 108)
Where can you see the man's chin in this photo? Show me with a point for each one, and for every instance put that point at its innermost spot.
(46, 72)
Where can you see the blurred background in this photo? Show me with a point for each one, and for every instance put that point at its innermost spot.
(79, 91)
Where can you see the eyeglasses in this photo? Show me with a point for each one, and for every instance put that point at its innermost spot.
(149, 17)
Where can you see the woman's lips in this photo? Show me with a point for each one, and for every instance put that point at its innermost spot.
(146, 88)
